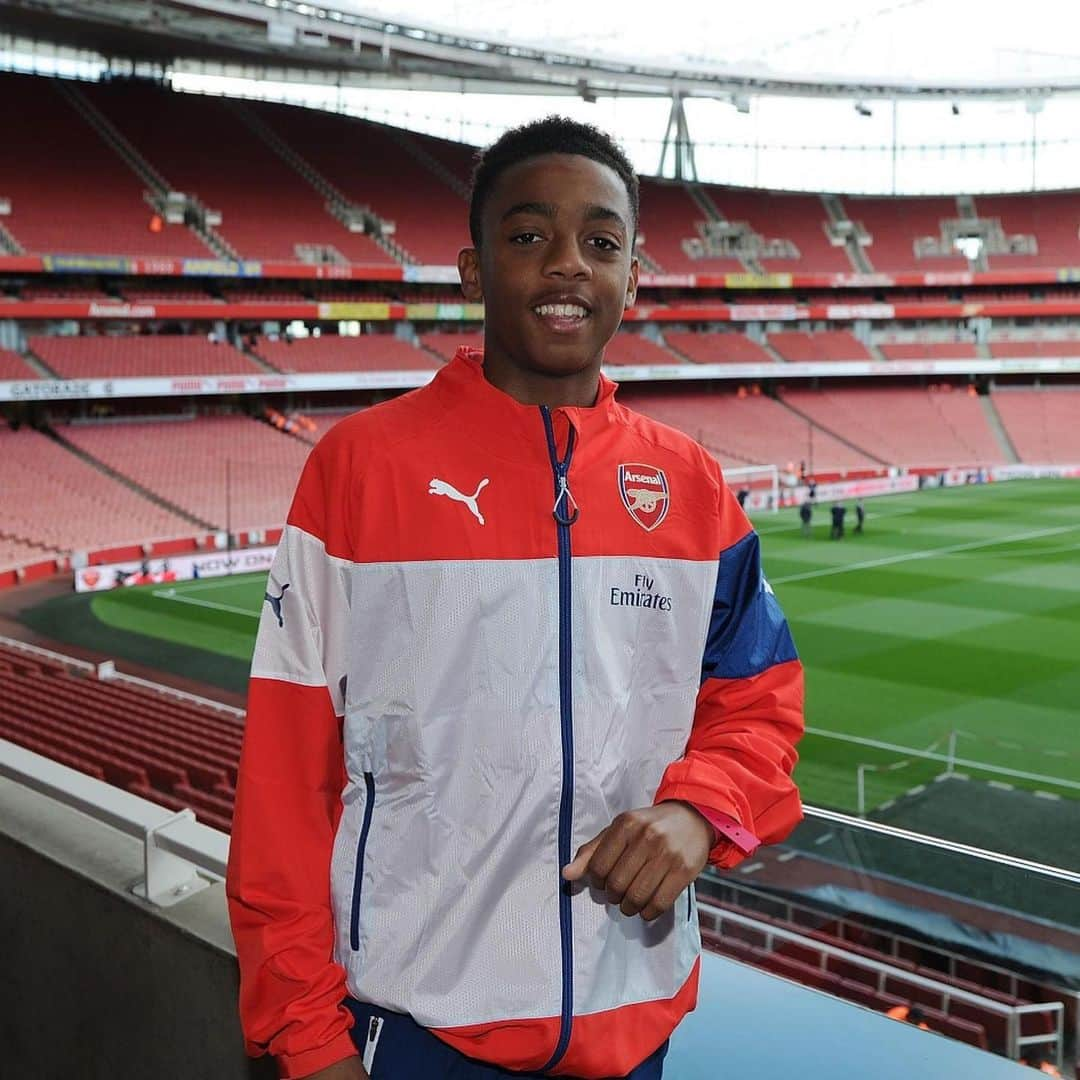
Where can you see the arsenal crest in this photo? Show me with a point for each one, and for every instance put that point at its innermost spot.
(644, 492)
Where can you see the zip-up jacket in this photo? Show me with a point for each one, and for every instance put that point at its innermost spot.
(490, 628)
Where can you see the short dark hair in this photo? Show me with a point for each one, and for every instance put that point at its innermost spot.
(552, 135)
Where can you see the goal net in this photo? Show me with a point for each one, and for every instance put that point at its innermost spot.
(760, 482)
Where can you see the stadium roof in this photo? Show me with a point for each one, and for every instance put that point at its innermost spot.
(908, 48)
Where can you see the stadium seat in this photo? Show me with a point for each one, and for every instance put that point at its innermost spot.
(104, 212)
(202, 147)
(112, 356)
(369, 352)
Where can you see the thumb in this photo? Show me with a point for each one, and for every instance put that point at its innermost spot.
(576, 868)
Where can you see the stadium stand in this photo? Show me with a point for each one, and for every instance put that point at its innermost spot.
(54, 500)
(1001, 349)
(104, 213)
(928, 350)
(129, 356)
(630, 348)
(46, 290)
(232, 294)
(202, 147)
(222, 469)
(369, 352)
(175, 752)
(799, 346)
(669, 216)
(1042, 424)
(427, 213)
(716, 348)
(904, 426)
(143, 291)
(744, 431)
(15, 552)
(445, 342)
(895, 223)
(13, 366)
(798, 218)
(1050, 217)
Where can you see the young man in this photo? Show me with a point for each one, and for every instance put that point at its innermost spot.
(519, 678)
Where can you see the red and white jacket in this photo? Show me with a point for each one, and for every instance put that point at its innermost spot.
(489, 629)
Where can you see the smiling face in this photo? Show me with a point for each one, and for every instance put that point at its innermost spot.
(555, 271)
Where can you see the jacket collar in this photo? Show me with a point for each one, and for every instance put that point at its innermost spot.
(487, 414)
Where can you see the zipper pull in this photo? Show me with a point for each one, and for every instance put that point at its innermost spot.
(566, 498)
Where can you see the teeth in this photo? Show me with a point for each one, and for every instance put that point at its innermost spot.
(566, 311)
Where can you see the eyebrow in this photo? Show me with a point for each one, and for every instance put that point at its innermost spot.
(593, 212)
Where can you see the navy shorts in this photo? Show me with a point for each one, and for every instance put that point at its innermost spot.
(406, 1051)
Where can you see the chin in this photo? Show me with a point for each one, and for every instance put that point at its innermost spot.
(557, 366)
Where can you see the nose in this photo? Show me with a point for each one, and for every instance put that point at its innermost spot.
(565, 258)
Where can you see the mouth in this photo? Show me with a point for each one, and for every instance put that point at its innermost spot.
(563, 317)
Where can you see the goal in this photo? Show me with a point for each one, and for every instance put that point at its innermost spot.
(762, 482)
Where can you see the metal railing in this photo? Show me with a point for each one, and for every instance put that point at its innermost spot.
(1012, 1014)
(180, 855)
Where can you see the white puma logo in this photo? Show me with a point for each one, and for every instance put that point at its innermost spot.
(441, 487)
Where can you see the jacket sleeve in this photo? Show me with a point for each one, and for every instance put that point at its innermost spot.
(749, 712)
(288, 804)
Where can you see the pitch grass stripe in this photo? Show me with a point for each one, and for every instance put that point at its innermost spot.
(927, 553)
(931, 756)
(169, 594)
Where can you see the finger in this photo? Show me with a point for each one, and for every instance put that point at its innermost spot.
(666, 894)
(576, 868)
(625, 871)
(614, 840)
(643, 887)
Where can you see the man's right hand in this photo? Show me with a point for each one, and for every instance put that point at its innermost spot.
(348, 1068)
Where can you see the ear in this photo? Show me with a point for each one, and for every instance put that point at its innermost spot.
(468, 264)
(631, 284)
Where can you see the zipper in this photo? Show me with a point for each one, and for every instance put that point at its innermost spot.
(565, 512)
(358, 880)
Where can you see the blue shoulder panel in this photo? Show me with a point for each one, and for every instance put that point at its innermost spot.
(747, 631)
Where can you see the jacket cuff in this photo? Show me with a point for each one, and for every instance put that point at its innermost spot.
(731, 843)
(291, 1066)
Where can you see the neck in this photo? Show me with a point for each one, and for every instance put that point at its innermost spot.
(577, 389)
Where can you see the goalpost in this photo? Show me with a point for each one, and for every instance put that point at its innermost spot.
(761, 482)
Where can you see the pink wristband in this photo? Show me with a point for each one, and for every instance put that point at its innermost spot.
(729, 829)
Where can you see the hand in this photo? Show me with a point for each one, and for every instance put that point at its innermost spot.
(645, 857)
(348, 1068)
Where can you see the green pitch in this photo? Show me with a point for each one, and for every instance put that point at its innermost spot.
(951, 627)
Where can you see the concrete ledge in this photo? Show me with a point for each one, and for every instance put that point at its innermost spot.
(96, 983)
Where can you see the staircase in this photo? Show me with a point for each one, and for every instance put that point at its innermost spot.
(144, 492)
(648, 263)
(40, 366)
(8, 244)
(764, 343)
(258, 361)
(704, 201)
(158, 188)
(337, 203)
(835, 434)
(405, 140)
(713, 213)
(841, 225)
(993, 418)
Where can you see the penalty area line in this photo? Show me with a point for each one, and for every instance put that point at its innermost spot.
(171, 594)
